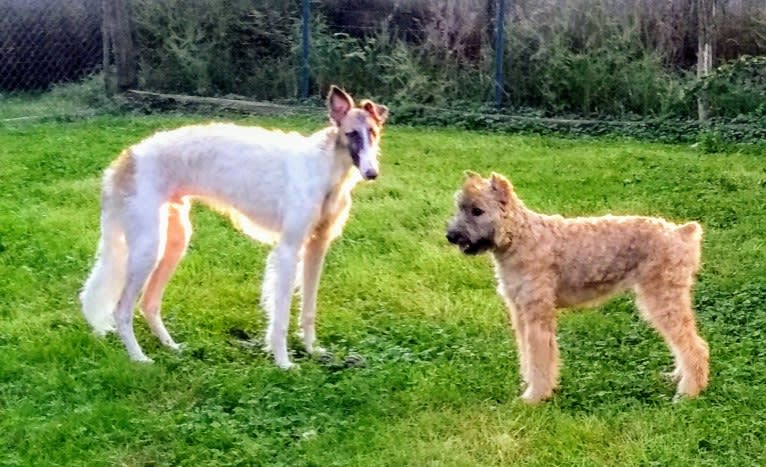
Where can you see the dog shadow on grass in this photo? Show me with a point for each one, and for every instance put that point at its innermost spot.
(330, 360)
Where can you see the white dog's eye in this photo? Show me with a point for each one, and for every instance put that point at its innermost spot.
(355, 141)
(476, 211)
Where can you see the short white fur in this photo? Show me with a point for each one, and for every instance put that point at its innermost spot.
(282, 188)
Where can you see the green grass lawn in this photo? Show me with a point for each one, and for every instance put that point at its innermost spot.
(441, 382)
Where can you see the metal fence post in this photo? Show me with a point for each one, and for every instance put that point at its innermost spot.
(305, 51)
(499, 42)
(705, 51)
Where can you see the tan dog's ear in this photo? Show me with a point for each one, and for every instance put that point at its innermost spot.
(378, 112)
(338, 103)
(470, 175)
(501, 187)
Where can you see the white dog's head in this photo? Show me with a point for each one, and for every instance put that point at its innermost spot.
(359, 128)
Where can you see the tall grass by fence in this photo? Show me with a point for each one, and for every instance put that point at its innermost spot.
(602, 58)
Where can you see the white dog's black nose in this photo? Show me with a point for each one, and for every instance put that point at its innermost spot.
(371, 174)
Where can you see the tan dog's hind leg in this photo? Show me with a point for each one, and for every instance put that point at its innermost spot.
(669, 310)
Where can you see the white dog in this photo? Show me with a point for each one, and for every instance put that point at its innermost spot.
(277, 187)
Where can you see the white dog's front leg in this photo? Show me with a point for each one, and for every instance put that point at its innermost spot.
(270, 280)
(285, 259)
(313, 259)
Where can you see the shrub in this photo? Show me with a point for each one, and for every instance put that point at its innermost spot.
(736, 88)
(218, 47)
(596, 58)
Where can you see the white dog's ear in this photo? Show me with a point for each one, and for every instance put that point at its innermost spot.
(501, 187)
(338, 103)
(378, 112)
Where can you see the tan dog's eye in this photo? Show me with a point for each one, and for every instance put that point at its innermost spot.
(373, 134)
(476, 211)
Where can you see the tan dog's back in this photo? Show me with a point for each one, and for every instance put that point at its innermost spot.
(598, 256)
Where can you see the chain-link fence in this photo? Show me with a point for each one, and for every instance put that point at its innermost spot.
(44, 43)
(594, 58)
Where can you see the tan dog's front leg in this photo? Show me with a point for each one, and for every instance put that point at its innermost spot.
(517, 323)
(541, 353)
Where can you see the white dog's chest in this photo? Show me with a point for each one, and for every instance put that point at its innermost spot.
(334, 214)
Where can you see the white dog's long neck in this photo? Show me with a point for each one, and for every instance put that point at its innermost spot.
(343, 174)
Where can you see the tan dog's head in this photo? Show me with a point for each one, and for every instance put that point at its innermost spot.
(360, 129)
(482, 208)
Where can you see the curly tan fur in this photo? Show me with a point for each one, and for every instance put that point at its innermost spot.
(544, 263)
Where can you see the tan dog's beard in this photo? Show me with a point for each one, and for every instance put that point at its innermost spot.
(479, 246)
(468, 245)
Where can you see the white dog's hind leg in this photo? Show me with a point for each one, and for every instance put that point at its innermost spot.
(177, 238)
(285, 258)
(142, 236)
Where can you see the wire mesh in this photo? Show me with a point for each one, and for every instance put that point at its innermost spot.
(44, 45)
(434, 52)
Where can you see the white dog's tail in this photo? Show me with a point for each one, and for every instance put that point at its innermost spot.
(106, 281)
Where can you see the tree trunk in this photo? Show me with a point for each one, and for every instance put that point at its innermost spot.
(118, 47)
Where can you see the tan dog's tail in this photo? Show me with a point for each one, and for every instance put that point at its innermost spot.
(691, 235)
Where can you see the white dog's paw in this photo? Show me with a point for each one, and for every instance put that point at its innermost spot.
(142, 359)
(177, 347)
(286, 365)
(316, 350)
(103, 331)
(282, 359)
